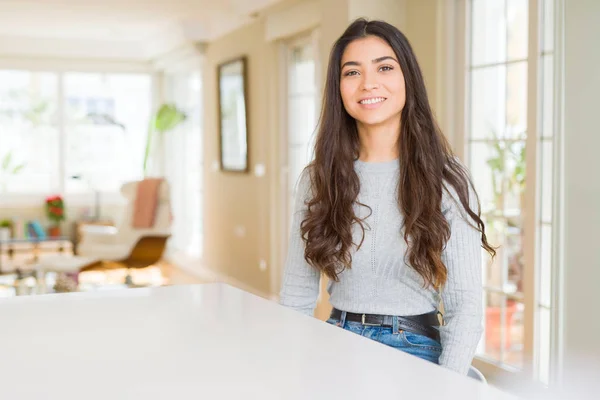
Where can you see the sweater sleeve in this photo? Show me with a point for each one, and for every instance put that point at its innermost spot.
(300, 286)
(462, 294)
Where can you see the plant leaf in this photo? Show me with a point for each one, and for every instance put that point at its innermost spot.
(18, 168)
(6, 160)
(167, 118)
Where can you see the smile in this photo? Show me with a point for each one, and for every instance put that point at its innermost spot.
(373, 100)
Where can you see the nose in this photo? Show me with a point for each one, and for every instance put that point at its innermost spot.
(369, 82)
(370, 86)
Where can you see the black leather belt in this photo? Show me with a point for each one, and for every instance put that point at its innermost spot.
(423, 324)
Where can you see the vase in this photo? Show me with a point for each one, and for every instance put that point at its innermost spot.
(54, 231)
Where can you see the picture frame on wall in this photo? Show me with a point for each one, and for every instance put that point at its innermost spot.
(233, 115)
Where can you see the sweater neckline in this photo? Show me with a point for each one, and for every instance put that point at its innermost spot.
(380, 167)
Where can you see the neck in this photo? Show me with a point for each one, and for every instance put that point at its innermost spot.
(379, 143)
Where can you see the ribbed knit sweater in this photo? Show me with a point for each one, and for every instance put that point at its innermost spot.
(380, 281)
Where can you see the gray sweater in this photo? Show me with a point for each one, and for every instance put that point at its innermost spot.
(379, 281)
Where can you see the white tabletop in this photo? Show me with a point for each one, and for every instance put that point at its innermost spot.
(200, 341)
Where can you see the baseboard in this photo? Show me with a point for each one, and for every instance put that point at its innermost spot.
(195, 266)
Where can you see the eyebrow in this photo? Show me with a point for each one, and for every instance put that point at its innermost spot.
(374, 61)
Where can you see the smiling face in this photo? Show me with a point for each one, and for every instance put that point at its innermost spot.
(371, 82)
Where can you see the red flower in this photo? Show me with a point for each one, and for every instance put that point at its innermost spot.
(55, 208)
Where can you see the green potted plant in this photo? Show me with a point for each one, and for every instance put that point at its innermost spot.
(5, 229)
(55, 211)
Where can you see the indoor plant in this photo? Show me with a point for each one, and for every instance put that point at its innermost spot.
(55, 211)
(5, 229)
(166, 118)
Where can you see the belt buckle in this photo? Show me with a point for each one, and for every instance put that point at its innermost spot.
(366, 323)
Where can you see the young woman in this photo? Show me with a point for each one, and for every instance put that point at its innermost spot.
(385, 210)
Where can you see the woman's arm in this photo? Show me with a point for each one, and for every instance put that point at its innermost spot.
(300, 286)
(462, 294)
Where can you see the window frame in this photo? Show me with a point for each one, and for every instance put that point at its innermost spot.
(459, 58)
(284, 47)
(60, 67)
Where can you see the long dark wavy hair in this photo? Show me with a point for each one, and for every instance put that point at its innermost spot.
(427, 166)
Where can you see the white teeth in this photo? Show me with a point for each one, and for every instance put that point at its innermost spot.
(373, 101)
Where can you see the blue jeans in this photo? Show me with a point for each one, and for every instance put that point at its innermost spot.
(417, 345)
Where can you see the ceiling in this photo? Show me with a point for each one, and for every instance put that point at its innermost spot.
(135, 29)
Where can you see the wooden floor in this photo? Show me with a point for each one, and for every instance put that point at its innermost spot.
(159, 274)
(162, 273)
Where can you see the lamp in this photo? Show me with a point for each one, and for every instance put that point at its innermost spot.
(96, 196)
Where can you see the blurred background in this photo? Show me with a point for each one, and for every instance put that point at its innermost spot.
(221, 100)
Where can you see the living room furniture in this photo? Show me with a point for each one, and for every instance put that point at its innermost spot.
(147, 251)
(23, 254)
(116, 243)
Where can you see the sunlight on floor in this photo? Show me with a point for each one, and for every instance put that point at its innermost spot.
(112, 279)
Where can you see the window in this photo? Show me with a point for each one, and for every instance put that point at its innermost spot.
(184, 172)
(106, 126)
(497, 135)
(57, 126)
(29, 133)
(302, 108)
(509, 114)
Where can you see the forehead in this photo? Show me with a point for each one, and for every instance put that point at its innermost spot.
(367, 49)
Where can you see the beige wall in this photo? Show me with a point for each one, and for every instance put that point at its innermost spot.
(237, 206)
(247, 203)
(580, 326)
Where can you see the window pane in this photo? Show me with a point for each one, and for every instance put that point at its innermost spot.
(547, 95)
(546, 178)
(515, 270)
(494, 323)
(546, 266)
(488, 102)
(488, 21)
(486, 170)
(29, 152)
(514, 333)
(544, 345)
(107, 122)
(302, 73)
(301, 114)
(517, 13)
(514, 179)
(302, 119)
(516, 100)
(548, 24)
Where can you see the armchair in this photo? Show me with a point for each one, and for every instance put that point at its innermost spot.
(123, 243)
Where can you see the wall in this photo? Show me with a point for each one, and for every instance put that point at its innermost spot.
(581, 141)
(237, 206)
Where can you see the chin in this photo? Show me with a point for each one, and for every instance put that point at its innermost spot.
(372, 119)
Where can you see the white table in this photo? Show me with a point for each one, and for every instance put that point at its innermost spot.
(200, 342)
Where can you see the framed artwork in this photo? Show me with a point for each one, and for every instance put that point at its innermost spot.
(233, 117)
